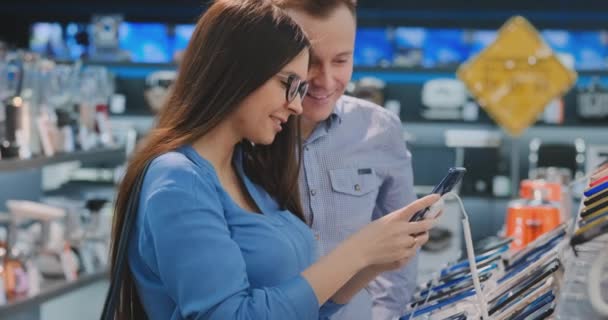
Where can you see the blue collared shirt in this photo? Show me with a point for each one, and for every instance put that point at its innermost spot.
(195, 254)
(356, 168)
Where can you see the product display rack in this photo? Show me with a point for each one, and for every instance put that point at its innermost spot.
(51, 289)
(96, 155)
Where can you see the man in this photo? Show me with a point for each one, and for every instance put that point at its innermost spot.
(356, 167)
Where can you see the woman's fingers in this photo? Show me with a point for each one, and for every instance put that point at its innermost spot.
(407, 212)
(422, 239)
(420, 226)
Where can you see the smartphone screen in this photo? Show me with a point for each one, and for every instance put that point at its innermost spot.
(446, 185)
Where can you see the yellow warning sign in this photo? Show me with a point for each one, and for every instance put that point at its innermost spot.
(516, 76)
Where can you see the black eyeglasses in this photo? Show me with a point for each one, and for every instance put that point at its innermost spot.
(294, 86)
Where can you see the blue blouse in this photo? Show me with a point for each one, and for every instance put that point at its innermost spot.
(195, 254)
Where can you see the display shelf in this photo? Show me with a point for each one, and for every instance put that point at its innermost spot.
(390, 74)
(448, 69)
(420, 75)
(50, 289)
(380, 69)
(117, 64)
(492, 125)
(574, 303)
(91, 156)
(398, 69)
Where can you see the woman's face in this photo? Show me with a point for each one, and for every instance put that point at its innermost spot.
(262, 114)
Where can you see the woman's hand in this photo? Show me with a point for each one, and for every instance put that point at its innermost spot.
(390, 241)
(421, 239)
(386, 243)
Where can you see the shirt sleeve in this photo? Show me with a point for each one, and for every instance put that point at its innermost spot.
(203, 269)
(392, 290)
(328, 309)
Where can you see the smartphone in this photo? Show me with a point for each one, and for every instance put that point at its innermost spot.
(595, 207)
(448, 276)
(520, 289)
(600, 173)
(495, 244)
(536, 305)
(480, 259)
(594, 217)
(451, 179)
(449, 285)
(596, 189)
(544, 312)
(593, 199)
(458, 316)
(598, 181)
(441, 304)
(540, 244)
(525, 300)
(589, 231)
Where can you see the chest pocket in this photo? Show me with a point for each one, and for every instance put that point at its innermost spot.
(355, 193)
(353, 181)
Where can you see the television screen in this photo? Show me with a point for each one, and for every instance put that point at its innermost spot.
(73, 33)
(372, 47)
(558, 40)
(561, 42)
(479, 40)
(47, 39)
(145, 42)
(445, 47)
(409, 46)
(183, 33)
(590, 50)
(407, 37)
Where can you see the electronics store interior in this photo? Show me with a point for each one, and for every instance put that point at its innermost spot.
(499, 107)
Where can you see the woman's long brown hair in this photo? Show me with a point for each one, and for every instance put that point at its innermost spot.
(236, 47)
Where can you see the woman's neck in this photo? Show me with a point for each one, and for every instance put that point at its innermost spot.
(217, 147)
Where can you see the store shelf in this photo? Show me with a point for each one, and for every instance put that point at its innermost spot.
(447, 69)
(380, 69)
(390, 74)
(91, 156)
(50, 289)
(419, 75)
(397, 69)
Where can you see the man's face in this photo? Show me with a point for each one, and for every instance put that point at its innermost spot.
(331, 60)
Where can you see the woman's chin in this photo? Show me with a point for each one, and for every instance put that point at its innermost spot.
(264, 141)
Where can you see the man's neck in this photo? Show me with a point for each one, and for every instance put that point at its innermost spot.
(307, 127)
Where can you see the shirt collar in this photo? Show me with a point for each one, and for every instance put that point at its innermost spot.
(334, 119)
(336, 115)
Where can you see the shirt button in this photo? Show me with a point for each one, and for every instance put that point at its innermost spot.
(317, 237)
(313, 192)
(306, 148)
(357, 187)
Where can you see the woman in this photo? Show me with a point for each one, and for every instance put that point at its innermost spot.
(219, 231)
